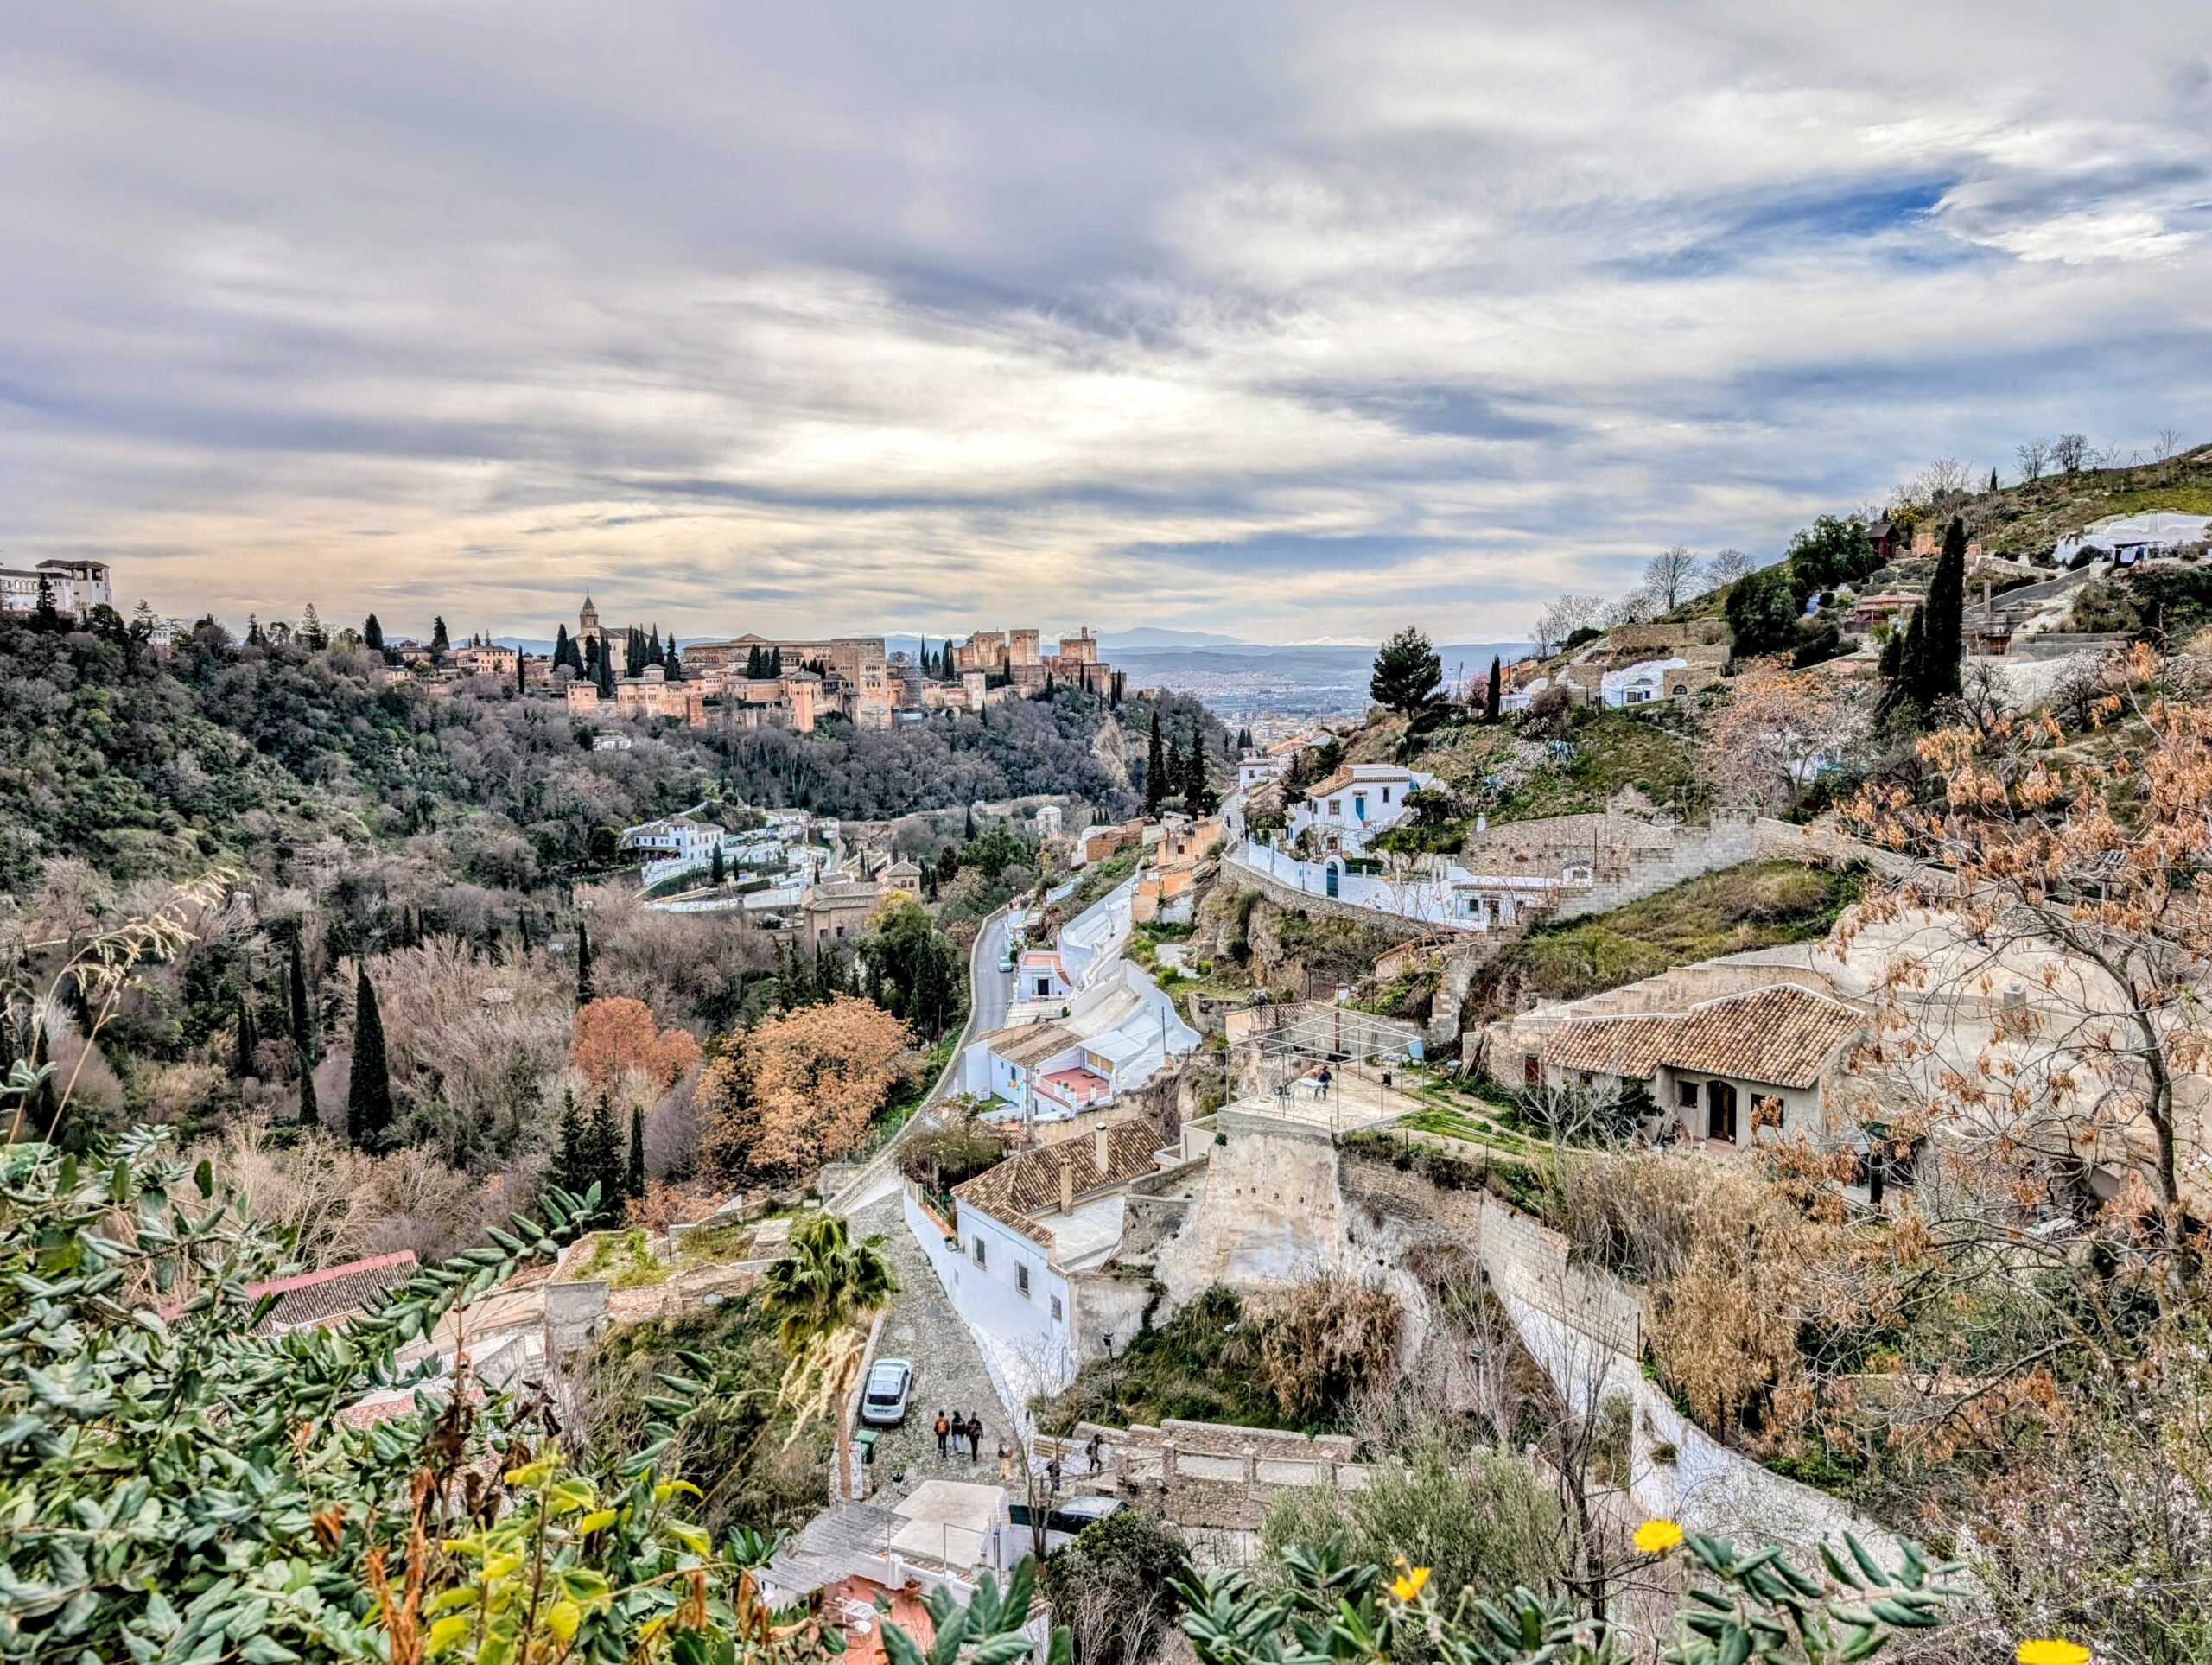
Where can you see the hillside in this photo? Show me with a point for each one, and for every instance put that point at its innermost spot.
(139, 763)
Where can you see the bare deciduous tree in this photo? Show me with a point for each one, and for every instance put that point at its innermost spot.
(1726, 567)
(2168, 445)
(2069, 452)
(2035, 457)
(1569, 614)
(1671, 576)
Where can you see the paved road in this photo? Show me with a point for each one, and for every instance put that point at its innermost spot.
(922, 1328)
(992, 987)
(990, 993)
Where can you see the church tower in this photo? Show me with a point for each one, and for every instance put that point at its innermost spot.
(587, 620)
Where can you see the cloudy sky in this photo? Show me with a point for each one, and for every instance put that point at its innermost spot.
(1289, 321)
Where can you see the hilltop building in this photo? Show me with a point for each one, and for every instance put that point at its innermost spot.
(71, 585)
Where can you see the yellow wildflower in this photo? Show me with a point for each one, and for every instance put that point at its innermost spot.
(2050, 1650)
(1654, 1535)
(1408, 1584)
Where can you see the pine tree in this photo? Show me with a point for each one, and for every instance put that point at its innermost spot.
(440, 642)
(368, 1099)
(1155, 770)
(633, 1179)
(312, 634)
(1492, 695)
(585, 993)
(253, 636)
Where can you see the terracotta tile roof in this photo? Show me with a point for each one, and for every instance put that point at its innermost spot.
(336, 1291)
(1628, 1047)
(1784, 1035)
(1335, 783)
(1029, 1182)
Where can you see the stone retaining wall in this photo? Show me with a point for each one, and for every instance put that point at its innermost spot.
(1694, 852)
(1394, 925)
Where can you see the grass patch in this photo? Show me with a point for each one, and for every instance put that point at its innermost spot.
(1756, 905)
(621, 1260)
(1612, 749)
(1195, 1366)
(1450, 1123)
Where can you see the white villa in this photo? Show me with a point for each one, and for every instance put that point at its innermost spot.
(1357, 801)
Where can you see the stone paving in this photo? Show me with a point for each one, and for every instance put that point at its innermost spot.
(949, 1374)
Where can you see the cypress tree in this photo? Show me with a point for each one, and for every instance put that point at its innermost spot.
(585, 993)
(567, 1162)
(563, 649)
(372, 635)
(368, 1099)
(633, 1181)
(1155, 769)
(304, 1036)
(603, 1158)
(605, 674)
(1942, 639)
(249, 1038)
(719, 873)
(1174, 775)
(521, 671)
(440, 641)
(1494, 692)
(1197, 791)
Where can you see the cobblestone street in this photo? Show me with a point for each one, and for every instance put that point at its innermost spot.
(949, 1374)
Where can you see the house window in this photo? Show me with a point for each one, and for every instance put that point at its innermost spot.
(1022, 1277)
(1336, 806)
(1056, 1309)
(1386, 794)
(980, 1258)
(1685, 1094)
(1532, 1072)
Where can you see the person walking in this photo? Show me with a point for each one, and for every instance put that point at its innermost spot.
(975, 1437)
(1091, 1451)
(959, 1431)
(943, 1428)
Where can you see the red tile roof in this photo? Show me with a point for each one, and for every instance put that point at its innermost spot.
(1029, 1182)
(336, 1291)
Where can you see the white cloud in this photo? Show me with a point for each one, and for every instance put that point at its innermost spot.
(1280, 323)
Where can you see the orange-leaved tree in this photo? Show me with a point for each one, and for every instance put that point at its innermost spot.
(2074, 876)
(802, 1087)
(617, 1038)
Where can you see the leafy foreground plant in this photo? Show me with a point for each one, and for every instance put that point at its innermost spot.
(175, 1487)
(1741, 1608)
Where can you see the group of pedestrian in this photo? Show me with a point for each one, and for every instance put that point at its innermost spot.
(963, 1432)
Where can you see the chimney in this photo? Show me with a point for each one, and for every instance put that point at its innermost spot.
(1067, 1183)
(1098, 1147)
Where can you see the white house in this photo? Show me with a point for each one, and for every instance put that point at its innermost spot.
(1357, 801)
(1259, 771)
(1641, 683)
(1113, 1037)
(1023, 1229)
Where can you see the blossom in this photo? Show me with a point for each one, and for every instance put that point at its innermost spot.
(2050, 1650)
(1408, 1584)
(1654, 1535)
